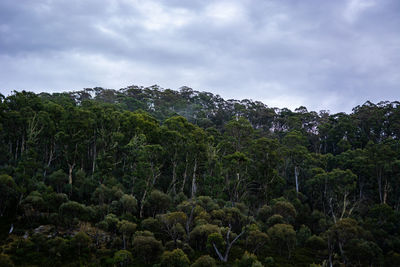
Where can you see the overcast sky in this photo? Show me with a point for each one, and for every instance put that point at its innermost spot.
(286, 53)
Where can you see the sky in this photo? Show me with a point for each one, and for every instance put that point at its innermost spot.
(325, 55)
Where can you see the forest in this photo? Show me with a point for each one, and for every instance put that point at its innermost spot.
(147, 176)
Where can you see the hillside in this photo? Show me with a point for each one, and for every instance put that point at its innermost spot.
(151, 176)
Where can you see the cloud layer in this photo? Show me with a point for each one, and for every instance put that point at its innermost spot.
(320, 54)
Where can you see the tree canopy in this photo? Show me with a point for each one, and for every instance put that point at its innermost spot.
(146, 176)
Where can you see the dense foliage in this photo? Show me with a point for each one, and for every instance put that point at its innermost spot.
(154, 177)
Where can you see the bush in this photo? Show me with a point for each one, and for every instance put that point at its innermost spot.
(122, 258)
(283, 238)
(146, 247)
(286, 209)
(175, 258)
(275, 219)
(199, 235)
(248, 260)
(315, 243)
(204, 261)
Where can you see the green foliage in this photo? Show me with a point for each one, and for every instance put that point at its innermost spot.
(275, 219)
(204, 261)
(285, 209)
(264, 213)
(215, 239)
(122, 258)
(257, 240)
(71, 210)
(175, 258)
(129, 203)
(102, 173)
(158, 202)
(344, 230)
(283, 238)
(146, 247)
(200, 234)
(303, 234)
(5, 261)
(316, 243)
(58, 179)
(8, 193)
(80, 243)
(248, 260)
(363, 252)
(127, 229)
(152, 225)
(173, 224)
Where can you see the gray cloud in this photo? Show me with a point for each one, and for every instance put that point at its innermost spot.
(323, 55)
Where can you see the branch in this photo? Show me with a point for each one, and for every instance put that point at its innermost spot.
(218, 253)
(189, 220)
(230, 244)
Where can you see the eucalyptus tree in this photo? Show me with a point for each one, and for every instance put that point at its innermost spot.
(9, 193)
(283, 238)
(230, 240)
(148, 171)
(173, 224)
(127, 229)
(335, 189)
(264, 162)
(236, 175)
(384, 161)
(295, 153)
(176, 133)
(235, 159)
(73, 137)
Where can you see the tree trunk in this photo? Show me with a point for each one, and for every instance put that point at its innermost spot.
(51, 156)
(361, 187)
(94, 157)
(222, 258)
(173, 182)
(228, 245)
(185, 174)
(142, 203)
(332, 211)
(342, 253)
(149, 185)
(124, 239)
(22, 145)
(189, 220)
(70, 169)
(296, 177)
(386, 188)
(379, 177)
(330, 252)
(344, 205)
(10, 147)
(16, 150)
(72, 165)
(236, 192)
(194, 186)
